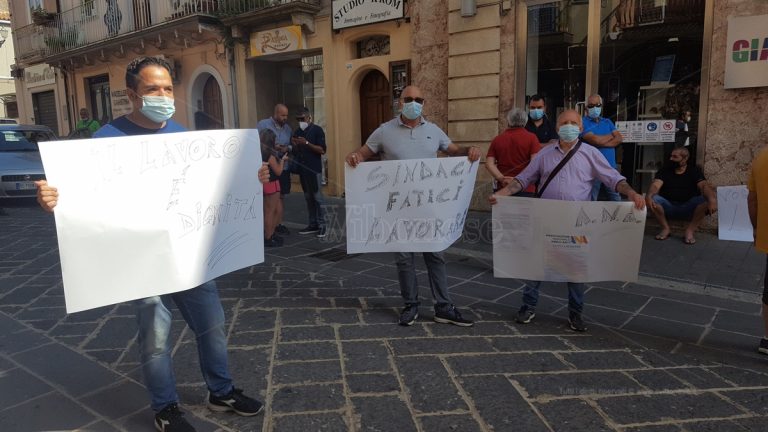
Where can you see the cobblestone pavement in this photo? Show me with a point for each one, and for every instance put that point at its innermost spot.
(312, 333)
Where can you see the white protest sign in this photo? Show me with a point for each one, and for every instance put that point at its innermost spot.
(573, 241)
(140, 216)
(732, 214)
(416, 205)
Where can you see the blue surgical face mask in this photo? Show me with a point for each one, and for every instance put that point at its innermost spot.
(157, 108)
(568, 133)
(536, 113)
(595, 112)
(412, 110)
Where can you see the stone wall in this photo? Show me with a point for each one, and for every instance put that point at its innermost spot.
(737, 123)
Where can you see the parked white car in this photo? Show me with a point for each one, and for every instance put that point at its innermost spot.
(20, 163)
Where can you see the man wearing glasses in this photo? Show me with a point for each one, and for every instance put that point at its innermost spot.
(601, 133)
(410, 136)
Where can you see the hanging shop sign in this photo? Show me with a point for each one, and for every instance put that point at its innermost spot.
(276, 41)
(39, 75)
(352, 13)
(121, 105)
(746, 61)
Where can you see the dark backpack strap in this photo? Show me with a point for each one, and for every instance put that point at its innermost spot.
(557, 169)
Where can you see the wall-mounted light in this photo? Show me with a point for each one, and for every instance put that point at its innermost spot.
(3, 34)
(468, 8)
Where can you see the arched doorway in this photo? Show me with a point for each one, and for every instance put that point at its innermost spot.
(375, 103)
(212, 104)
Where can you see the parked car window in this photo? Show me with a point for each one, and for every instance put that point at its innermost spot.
(22, 140)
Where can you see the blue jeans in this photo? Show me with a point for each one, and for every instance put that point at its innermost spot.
(612, 194)
(313, 194)
(438, 279)
(679, 210)
(201, 309)
(575, 295)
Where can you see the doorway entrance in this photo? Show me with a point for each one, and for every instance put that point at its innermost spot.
(44, 107)
(375, 103)
(213, 107)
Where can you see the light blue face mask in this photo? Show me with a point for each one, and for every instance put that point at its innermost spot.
(595, 112)
(536, 113)
(568, 133)
(412, 110)
(158, 108)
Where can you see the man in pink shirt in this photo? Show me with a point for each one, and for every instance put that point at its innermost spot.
(572, 183)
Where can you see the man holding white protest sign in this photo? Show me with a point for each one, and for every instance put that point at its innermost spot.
(150, 89)
(566, 171)
(410, 136)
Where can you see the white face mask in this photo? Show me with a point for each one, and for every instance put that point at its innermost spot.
(303, 125)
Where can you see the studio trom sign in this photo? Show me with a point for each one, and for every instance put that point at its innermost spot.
(352, 13)
(746, 61)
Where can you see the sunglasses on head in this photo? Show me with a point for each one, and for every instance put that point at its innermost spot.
(594, 105)
(409, 99)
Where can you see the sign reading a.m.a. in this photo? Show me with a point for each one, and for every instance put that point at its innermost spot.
(352, 13)
(746, 61)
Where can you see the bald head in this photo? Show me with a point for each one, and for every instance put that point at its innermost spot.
(281, 114)
(569, 116)
(412, 91)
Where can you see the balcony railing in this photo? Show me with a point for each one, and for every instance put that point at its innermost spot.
(98, 21)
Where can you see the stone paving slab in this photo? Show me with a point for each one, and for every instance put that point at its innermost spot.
(317, 341)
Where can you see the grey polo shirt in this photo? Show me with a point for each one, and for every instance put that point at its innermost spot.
(395, 140)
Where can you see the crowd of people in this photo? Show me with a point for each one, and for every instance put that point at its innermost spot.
(579, 151)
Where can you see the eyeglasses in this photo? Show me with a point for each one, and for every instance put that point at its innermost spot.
(594, 105)
(409, 99)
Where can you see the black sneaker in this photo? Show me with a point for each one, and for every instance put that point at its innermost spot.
(311, 229)
(574, 319)
(282, 229)
(171, 419)
(763, 348)
(525, 315)
(322, 232)
(275, 241)
(409, 314)
(451, 315)
(235, 401)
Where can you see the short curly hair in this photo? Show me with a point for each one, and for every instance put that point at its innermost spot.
(139, 63)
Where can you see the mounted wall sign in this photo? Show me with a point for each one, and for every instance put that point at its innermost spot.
(276, 41)
(353, 13)
(746, 59)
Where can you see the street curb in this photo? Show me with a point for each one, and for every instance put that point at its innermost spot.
(657, 281)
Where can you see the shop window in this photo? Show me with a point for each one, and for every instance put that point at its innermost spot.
(399, 78)
(556, 49)
(11, 110)
(650, 69)
(313, 83)
(373, 46)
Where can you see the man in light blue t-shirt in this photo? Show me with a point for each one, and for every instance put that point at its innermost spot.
(601, 133)
(410, 136)
(150, 89)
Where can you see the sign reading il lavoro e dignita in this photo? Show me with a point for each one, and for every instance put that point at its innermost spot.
(352, 13)
(746, 61)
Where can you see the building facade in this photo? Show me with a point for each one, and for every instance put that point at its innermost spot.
(347, 60)
(7, 88)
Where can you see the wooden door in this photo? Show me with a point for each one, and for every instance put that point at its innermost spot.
(375, 103)
(212, 104)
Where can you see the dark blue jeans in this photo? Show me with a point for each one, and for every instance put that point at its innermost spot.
(575, 295)
(679, 210)
(313, 194)
(201, 309)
